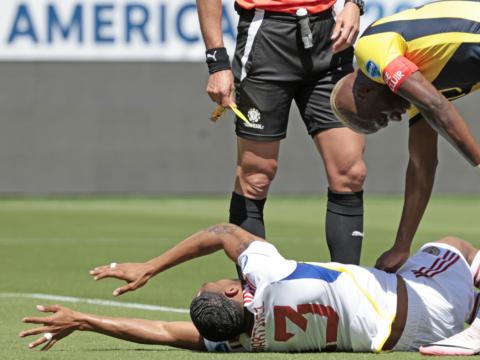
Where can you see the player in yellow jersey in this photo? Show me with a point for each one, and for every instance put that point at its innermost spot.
(418, 59)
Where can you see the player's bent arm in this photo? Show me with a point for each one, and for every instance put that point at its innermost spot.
(228, 237)
(231, 238)
(441, 115)
(64, 321)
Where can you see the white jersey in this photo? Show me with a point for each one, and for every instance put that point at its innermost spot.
(315, 306)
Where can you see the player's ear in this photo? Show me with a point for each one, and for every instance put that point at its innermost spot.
(231, 292)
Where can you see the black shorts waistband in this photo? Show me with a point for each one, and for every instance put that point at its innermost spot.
(282, 16)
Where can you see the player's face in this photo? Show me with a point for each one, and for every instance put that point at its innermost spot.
(231, 288)
(377, 106)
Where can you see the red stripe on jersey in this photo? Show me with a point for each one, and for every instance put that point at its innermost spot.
(453, 261)
(437, 264)
(422, 271)
(446, 258)
(250, 284)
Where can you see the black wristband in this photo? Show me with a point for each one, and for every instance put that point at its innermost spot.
(217, 60)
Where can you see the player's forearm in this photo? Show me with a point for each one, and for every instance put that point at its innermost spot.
(445, 118)
(231, 238)
(210, 17)
(418, 189)
(177, 334)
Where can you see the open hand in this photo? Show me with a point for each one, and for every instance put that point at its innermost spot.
(391, 260)
(135, 274)
(62, 323)
(346, 28)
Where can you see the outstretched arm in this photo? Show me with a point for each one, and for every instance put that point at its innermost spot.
(65, 321)
(231, 238)
(441, 115)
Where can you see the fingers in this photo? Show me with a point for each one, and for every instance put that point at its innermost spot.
(35, 331)
(220, 87)
(336, 30)
(50, 308)
(49, 345)
(126, 288)
(99, 269)
(107, 272)
(345, 39)
(37, 342)
(36, 320)
(110, 273)
(352, 36)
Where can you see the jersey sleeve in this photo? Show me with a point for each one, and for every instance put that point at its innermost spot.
(377, 55)
(262, 264)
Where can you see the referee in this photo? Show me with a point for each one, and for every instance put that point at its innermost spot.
(289, 50)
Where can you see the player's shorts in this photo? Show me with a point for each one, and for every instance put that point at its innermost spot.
(271, 68)
(440, 295)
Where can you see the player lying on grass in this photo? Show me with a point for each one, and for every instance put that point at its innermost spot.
(289, 306)
(422, 57)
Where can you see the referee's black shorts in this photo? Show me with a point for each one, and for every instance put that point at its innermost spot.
(272, 68)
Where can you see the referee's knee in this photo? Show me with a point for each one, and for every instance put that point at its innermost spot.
(255, 186)
(348, 178)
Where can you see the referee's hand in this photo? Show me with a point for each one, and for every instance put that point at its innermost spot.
(220, 87)
(346, 28)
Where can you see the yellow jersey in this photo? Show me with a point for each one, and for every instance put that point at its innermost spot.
(440, 39)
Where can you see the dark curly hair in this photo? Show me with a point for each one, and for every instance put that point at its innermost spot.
(216, 317)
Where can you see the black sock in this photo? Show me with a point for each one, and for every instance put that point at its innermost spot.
(344, 226)
(248, 214)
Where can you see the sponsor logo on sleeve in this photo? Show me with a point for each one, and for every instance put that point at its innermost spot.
(372, 69)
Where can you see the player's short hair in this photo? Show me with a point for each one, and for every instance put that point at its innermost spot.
(216, 317)
(348, 118)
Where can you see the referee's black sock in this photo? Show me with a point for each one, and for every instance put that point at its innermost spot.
(344, 226)
(248, 214)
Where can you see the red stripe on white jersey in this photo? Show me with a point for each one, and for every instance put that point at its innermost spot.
(250, 284)
(450, 260)
(437, 264)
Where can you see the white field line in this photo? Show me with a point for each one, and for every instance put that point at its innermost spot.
(72, 299)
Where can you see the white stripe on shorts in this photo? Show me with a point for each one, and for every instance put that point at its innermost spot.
(252, 33)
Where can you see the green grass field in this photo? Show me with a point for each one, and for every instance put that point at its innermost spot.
(48, 245)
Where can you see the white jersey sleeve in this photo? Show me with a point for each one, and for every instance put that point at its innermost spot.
(261, 265)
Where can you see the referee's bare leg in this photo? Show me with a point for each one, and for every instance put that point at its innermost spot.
(342, 153)
(256, 169)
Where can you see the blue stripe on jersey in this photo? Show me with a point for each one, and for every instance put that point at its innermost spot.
(417, 28)
(309, 271)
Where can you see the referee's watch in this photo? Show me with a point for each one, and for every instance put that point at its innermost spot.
(359, 3)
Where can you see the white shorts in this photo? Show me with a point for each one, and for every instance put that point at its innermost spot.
(440, 295)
